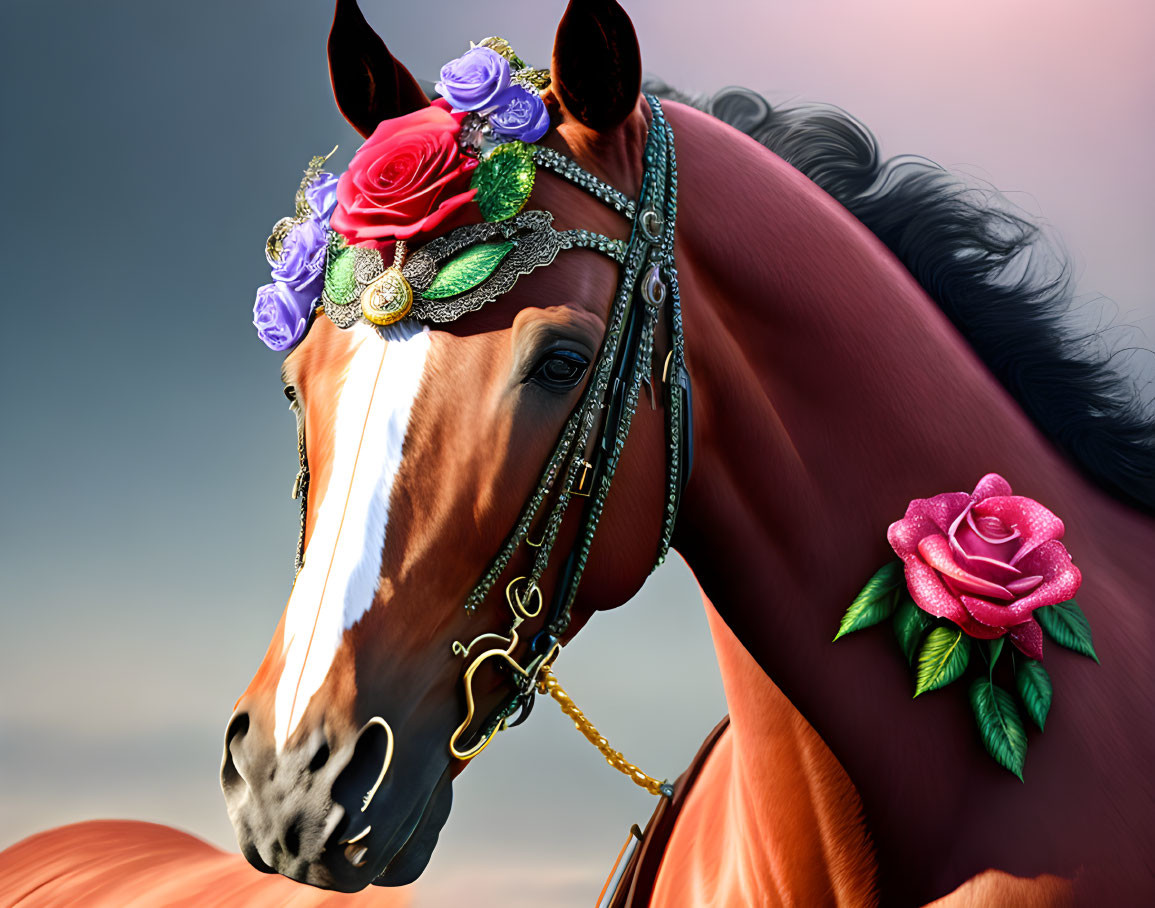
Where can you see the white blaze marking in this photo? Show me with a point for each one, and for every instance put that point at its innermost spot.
(341, 573)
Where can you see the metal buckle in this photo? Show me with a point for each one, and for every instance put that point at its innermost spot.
(652, 224)
(584, 481)
(654, 288)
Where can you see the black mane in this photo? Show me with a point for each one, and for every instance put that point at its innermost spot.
(980, 262)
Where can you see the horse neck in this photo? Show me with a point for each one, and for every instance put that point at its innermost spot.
(829, 390)
(770, 782)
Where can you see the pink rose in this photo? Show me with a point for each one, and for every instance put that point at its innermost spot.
(985, 561)
(409, 180)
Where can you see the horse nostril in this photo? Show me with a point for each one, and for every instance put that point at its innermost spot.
(320, 758)
(231, 776)
(293, 838)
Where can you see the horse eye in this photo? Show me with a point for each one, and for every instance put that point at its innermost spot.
(559, 370)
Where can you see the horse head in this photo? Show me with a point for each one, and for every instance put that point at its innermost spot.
(421, 445)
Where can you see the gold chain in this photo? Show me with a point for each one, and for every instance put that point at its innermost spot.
(548, 684)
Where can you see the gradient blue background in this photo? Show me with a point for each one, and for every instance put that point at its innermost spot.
(146, 534)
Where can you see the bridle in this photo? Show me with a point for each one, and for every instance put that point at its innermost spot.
(647, 290)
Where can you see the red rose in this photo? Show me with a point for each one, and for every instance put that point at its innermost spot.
(985, 561)
(408, 180)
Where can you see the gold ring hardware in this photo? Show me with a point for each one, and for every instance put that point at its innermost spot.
(377, 720)
(464, 651)
(530, 674)
(517, 600)
(502, 655)
(471, 706)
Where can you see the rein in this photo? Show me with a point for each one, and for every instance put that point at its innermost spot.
(648, 289)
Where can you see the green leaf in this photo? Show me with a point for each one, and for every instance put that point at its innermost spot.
(910, 623)
(1066, 624)
(996, 648)
(468, 270)
(943, 657)
(340, 283)
(999, 724)
(504, 181)
(1034, 686)
(877, 600)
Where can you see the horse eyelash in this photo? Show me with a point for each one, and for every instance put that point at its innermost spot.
(538, 360)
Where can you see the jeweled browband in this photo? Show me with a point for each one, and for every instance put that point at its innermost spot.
(452, 275)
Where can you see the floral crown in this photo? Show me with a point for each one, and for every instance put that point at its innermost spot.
(397, 234)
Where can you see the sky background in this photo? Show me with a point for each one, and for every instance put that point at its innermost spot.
(146, 533)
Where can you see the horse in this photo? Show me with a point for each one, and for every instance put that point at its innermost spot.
(857, 337)
(125, 862)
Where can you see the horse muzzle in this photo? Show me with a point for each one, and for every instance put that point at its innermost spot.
(330, 810)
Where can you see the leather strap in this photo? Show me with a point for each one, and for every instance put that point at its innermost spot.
(641, 873)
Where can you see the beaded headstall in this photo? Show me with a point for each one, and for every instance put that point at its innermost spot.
(346, 253)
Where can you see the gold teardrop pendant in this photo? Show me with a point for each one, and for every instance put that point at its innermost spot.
(388, 297)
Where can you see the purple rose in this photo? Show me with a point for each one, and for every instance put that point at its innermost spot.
(522, 115)
(474, 80)
(280, 315)
(322, 196)
(302, 262)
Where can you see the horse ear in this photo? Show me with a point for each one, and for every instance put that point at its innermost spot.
(597, 66)
(368, 83)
